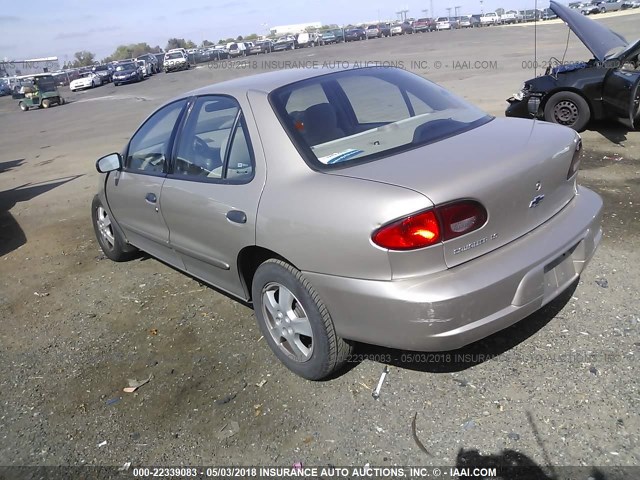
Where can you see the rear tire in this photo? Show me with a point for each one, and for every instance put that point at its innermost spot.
(46, 103)
(295, 321)
(110, 241)
(568, 109)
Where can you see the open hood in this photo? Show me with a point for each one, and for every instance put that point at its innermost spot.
(596, 37)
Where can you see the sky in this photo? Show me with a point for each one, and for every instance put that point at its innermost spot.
(98, 26)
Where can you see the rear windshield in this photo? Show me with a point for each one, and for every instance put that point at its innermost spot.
(364, 114)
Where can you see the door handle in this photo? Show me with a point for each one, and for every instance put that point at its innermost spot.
(237, 216)
(151, 198)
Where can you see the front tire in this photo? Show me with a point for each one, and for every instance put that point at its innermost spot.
(110, 241)
(23, 106)
(46, 103)
(295, 321)
(568, 109)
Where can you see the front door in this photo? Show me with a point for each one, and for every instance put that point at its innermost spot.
(134, 193)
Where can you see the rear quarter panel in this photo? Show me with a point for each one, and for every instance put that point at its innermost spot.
(319, 222)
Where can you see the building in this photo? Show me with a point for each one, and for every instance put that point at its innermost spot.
(9, 68)
(301, 27)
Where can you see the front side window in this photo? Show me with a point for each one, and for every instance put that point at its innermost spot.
(148, 149)
(214, 143)
(364, 114)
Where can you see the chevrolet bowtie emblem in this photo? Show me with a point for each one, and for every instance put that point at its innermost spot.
(537, 200)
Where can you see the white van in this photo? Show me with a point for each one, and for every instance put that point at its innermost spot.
(237, 49)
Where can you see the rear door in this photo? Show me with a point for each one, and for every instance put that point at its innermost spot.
(210, 198)
(134, 193)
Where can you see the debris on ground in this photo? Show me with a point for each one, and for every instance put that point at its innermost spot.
(513, 436)
(414, 434)
(602, 282)
(257, 410)
(43, 294)
(615, 157)
(376, 393)
(229, 430)
(261, 383)
(469, 425)
(297, 465)
(593, 370)
(136, 384)
(113, 401)
(102, 444)
(153, 331)
(125, 467)
(225, 399)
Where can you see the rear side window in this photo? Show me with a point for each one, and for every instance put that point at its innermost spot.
(369, 113)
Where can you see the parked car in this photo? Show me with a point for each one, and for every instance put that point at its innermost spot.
(285, 42)
(175, 61)
(328, 37)
(475, 20)
(105, 72)
(265, 46)
(86, 80)
(307, 39)
(610, 6)
(146, 67)
(237, 49)
(548, 14)
(464, 21)
(127, 72)
(605, 87)
(352, 34)
(489, 18)
(443, 23)
(373, 31)
(396, 29)
(445, 252)
(530, 15)
(384, 29)
(511, 16)
(5, 88)
(424, 25)
(590, 8)
(151, 59)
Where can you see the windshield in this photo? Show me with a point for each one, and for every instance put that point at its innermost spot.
(125, 66)
(101, 68)
(339, 118)
(173, 56)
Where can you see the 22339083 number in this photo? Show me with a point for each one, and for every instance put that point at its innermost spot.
(164, 472)
(374, 357)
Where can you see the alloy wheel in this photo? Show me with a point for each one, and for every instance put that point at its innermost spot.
(287, 322)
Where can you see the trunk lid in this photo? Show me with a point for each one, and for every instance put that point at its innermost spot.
(517, 169)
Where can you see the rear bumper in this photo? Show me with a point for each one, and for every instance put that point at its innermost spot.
(453, 308)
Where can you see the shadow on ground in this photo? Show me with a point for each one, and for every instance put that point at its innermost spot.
(11, 234)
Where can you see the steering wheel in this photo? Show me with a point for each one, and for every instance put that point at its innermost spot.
(205, 155)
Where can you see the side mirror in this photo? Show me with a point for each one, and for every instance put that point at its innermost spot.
(109, 163)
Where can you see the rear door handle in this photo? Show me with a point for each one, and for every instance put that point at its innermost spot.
(151, 198)
(237, 216)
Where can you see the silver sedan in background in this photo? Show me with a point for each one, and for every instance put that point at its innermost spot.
(364, 205)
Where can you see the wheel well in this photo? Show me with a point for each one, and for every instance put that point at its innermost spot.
(543, 104)
(249, 259)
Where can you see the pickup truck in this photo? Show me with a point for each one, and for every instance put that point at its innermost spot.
(489, 18)
(511, 16)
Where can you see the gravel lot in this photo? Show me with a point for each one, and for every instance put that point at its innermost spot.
(558, 388)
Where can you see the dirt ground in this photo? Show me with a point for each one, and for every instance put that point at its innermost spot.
(559, 388)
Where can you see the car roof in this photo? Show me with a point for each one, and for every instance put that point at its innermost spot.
(262, 82)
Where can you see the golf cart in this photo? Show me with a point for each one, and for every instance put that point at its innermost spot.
(39, 90)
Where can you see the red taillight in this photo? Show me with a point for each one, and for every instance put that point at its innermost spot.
(409, 233)
(432, 226)
(460, 218)
(575, 161)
